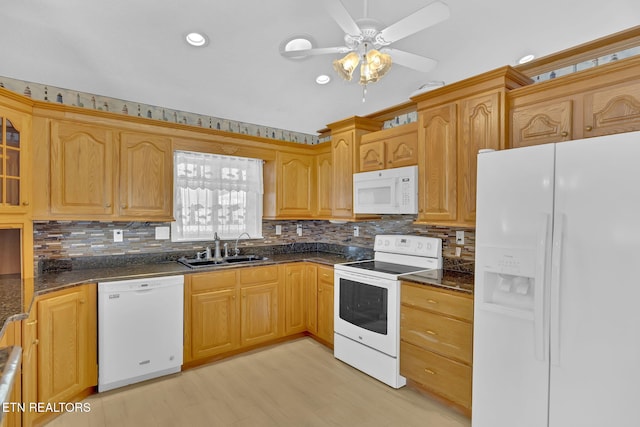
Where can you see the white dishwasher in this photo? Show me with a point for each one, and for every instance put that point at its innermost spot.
(139, 330)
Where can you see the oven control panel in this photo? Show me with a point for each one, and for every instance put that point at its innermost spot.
(409, 245)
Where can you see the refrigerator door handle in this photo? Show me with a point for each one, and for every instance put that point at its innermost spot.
(540, 332)
(556, 269)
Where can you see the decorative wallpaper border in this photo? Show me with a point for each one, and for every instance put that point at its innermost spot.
(74, 98)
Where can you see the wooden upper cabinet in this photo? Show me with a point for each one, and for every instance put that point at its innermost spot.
(613, 109)
(542, 124)
(437, 154)
(346, 137)
(324, 187)
(600, 101)
(146, 176)
(389, 148)
(480, 128)
(82, 169)
(15, 136)
(343, 151)
(295, 185)
(372, 156)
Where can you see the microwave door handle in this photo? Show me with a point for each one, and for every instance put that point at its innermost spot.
(394, 192)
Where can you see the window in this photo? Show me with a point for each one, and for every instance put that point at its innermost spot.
(214, 193)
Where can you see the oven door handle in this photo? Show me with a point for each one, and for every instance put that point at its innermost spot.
(368, 280)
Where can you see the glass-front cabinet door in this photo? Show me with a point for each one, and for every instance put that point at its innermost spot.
(13, 154)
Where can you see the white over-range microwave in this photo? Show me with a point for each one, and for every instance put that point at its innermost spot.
(389, 191)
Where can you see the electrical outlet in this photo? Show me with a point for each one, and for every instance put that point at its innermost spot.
(299, 229)
(460, 237)
(278, 230)
(118, 236)
(458, 251)
(356, 231)
(162, 233)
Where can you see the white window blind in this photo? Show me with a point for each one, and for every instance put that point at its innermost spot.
(215, 193)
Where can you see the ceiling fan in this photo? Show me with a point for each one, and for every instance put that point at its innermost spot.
(367, 42)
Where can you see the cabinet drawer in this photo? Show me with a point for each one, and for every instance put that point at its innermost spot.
(440, 301)
(444, 377)
(325, 274)
(259, 274)
(449, 337)
(208, 281)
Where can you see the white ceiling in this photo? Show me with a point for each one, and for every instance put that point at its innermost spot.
(135, 50)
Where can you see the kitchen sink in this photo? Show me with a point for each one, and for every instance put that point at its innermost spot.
(197, 263)
(245, 258)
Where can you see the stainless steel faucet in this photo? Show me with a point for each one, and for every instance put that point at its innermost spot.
(236, 251)
(217, 256)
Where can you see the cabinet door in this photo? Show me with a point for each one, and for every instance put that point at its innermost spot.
(214, 322)
(401, 150)
(82, 175)
(324, 188)
(295, 298)
(15, 131)
(67, 333)
(296, 185)
(614, 109)
(541, 123)
(343, 152)
(258, 313)
(480, 128)
(325, 304)
(372, 156)
(311, 291)
(438, 164)
(146, 177)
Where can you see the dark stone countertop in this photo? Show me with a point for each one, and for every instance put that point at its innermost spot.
(50, 282)
(453, 280)
(9, 369)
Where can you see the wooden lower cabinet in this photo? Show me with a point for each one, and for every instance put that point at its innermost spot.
(295, 294)
(59, 362)
(436, 339)
(325, 304)
(212, 314)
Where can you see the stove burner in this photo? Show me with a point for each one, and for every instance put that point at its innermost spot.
(385, 267)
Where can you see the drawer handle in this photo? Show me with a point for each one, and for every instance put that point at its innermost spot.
(565, 133)
(589, 128)
(32, 322)
(429, 371)
(431, 301)
(431, 332)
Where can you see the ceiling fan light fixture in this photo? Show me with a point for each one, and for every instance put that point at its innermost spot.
(347, 65)
(379, 62)
(297, 42)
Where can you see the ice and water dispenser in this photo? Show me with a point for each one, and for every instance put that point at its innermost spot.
(508, 281)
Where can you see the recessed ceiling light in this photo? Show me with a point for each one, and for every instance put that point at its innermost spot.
(323, 79)
(197, 39)
(296, 42)
(527, 58)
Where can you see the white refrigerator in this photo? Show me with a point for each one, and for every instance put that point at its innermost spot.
(557, 285)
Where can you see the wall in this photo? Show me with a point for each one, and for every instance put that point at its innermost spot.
(55, 240)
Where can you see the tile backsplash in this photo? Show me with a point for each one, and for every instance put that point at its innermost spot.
(58, 240)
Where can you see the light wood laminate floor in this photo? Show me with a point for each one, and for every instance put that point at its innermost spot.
(297, 383)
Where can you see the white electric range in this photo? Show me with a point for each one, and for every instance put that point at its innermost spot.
(367, 303)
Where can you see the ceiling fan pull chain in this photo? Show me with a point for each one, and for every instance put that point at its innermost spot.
(364, 93)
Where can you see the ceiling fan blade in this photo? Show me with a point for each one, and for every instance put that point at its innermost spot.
(303, 53)
(427, 16)
(411, 60)
(339, 14)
